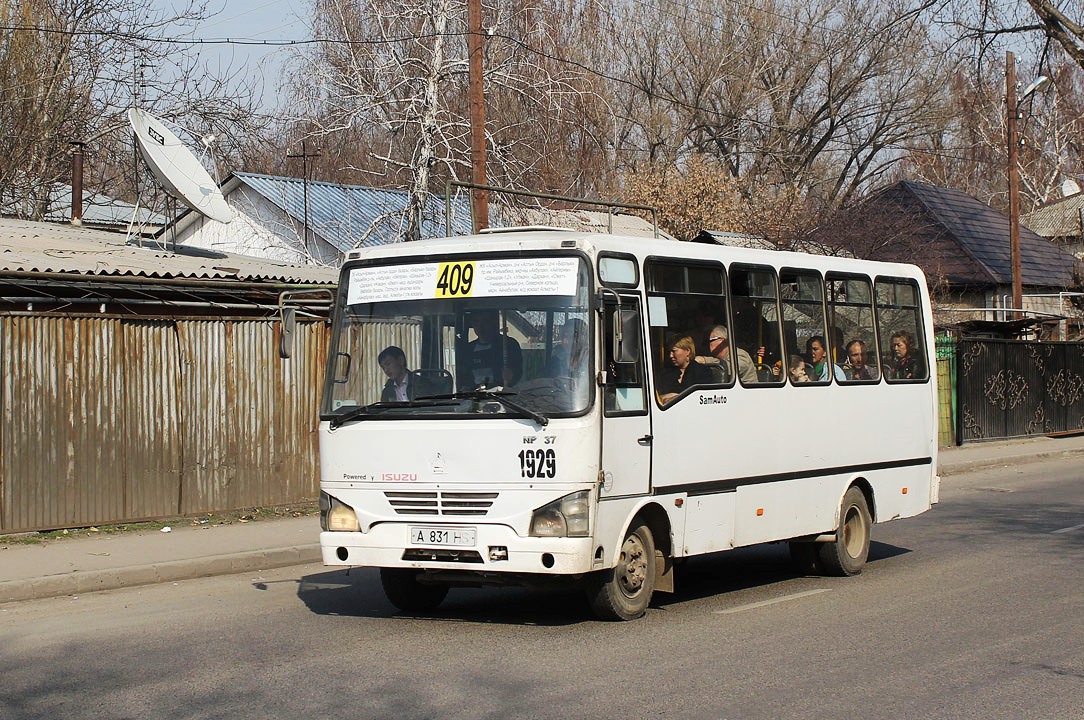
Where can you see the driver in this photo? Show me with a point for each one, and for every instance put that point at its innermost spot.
(493, 359)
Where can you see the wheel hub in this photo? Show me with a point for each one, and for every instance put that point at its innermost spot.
(633, 565)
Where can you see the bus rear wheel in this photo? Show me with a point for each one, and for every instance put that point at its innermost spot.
(624, 591)
(403, 590)
(847, 554)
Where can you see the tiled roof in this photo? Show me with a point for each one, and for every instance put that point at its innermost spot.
(972, 246)
(27, 246)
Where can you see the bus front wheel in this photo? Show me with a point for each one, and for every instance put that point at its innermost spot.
(403, 590)
(624, 591)
(847, 554)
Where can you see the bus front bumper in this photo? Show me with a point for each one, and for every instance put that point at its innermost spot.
(495, 549)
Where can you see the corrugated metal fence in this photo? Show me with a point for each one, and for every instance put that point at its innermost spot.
(116, 419)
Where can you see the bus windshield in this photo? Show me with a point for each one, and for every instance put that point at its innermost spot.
(482, 337)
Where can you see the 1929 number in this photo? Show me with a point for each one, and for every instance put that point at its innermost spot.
(455, 279)
(538, 463)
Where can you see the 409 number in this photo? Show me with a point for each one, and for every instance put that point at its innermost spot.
(455, 279)
(538, 463)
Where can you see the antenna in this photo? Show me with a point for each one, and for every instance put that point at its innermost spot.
(176, 168)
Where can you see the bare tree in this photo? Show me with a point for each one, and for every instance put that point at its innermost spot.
(390, 80)
(68, 71)
(823, 95)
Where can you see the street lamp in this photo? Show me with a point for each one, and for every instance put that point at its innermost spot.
(1012, 108)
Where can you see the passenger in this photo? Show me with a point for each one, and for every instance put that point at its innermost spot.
(684, 373)
(797, 369)
(719, 347)
(402, 384)
(493, 359)
(904, 363)
(817, 357)
(856, 368)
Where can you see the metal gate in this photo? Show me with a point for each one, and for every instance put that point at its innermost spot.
(1013, 388)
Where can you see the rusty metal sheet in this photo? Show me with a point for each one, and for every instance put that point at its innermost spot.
(108, 420)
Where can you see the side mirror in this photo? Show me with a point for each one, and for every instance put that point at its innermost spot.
(626, 333)
(342, 367)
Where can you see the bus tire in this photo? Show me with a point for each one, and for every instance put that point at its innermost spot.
(403, 590)
(624, 591)
(847, 554)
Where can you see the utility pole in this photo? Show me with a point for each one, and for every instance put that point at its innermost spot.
(479, 198)
(305, 155)
(1012, 112)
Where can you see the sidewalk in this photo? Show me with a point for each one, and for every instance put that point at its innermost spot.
(108, 561)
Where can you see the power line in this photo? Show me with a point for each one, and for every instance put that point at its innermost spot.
(674, 101)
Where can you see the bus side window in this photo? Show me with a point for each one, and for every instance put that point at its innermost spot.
(850, 310)
(755, 296)
(686, 304)
(899, 328)
(804, 335)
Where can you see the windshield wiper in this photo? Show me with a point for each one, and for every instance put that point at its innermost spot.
(503, 399)
(356, 413)
(376, 408)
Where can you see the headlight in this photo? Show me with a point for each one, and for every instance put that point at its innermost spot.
(568, 517)
(337, 516)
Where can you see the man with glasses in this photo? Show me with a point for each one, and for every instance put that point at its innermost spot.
(719, 347)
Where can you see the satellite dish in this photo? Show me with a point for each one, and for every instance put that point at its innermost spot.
(1069, 187)
(176, 168)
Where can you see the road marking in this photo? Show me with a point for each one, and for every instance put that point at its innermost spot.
(763, 603)
(1068, 529)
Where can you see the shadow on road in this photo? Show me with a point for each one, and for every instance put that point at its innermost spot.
(357, 592)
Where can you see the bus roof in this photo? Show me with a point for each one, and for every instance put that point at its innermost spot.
(527, 239)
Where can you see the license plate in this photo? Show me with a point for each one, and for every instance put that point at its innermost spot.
(462, 537)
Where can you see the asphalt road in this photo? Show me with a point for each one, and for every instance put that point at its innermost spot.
(974, 610)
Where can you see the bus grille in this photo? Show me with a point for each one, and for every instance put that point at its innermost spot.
(440, 503)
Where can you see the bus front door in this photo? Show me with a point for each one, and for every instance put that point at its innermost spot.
(626, 424)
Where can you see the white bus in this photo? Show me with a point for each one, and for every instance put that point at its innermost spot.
(525, 406)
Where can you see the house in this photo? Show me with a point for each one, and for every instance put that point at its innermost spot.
(962, 244)
(270, 219)
(1061, 221)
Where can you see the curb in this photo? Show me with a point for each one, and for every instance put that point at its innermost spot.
(964, 466)
(115, 578)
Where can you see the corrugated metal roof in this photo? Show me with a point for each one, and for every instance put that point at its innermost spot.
(98, 209)
(1062, 218)
(593, 221)
(27, 246)
(350, 216)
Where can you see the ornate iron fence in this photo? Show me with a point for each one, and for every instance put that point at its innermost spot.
(1012, 388)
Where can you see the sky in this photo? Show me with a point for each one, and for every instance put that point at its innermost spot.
(249, 20)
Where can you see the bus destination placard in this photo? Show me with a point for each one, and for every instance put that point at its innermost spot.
(463, 279)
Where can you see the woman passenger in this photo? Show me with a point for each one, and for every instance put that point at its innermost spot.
(904, 362)
(817, 352)
(684, 372)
